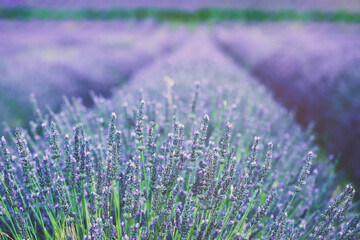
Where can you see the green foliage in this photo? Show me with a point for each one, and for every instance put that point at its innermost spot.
(174, 15)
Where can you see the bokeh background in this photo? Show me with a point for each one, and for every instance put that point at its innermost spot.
(306, 53)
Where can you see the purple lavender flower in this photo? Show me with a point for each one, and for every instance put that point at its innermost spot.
(25, 157)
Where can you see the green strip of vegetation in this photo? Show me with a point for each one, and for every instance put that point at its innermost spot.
(201, 15)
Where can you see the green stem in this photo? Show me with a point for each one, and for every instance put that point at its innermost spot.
(292, 199)
(312, 229)
(243, 218)
(144, 169)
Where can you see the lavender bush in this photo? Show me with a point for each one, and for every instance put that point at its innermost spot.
(178, 159)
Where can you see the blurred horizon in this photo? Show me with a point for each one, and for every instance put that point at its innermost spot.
(308, 5)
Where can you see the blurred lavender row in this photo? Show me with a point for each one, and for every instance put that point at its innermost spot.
(53, 59)
(312, 68)
(325, 5)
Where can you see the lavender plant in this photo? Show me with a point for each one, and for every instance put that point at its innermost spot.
(221, 163)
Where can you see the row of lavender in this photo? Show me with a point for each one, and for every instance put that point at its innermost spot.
(312, 68)
(53, 59)
(204, 153)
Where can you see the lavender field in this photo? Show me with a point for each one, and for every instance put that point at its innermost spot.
(56, 59)
(148, 129)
